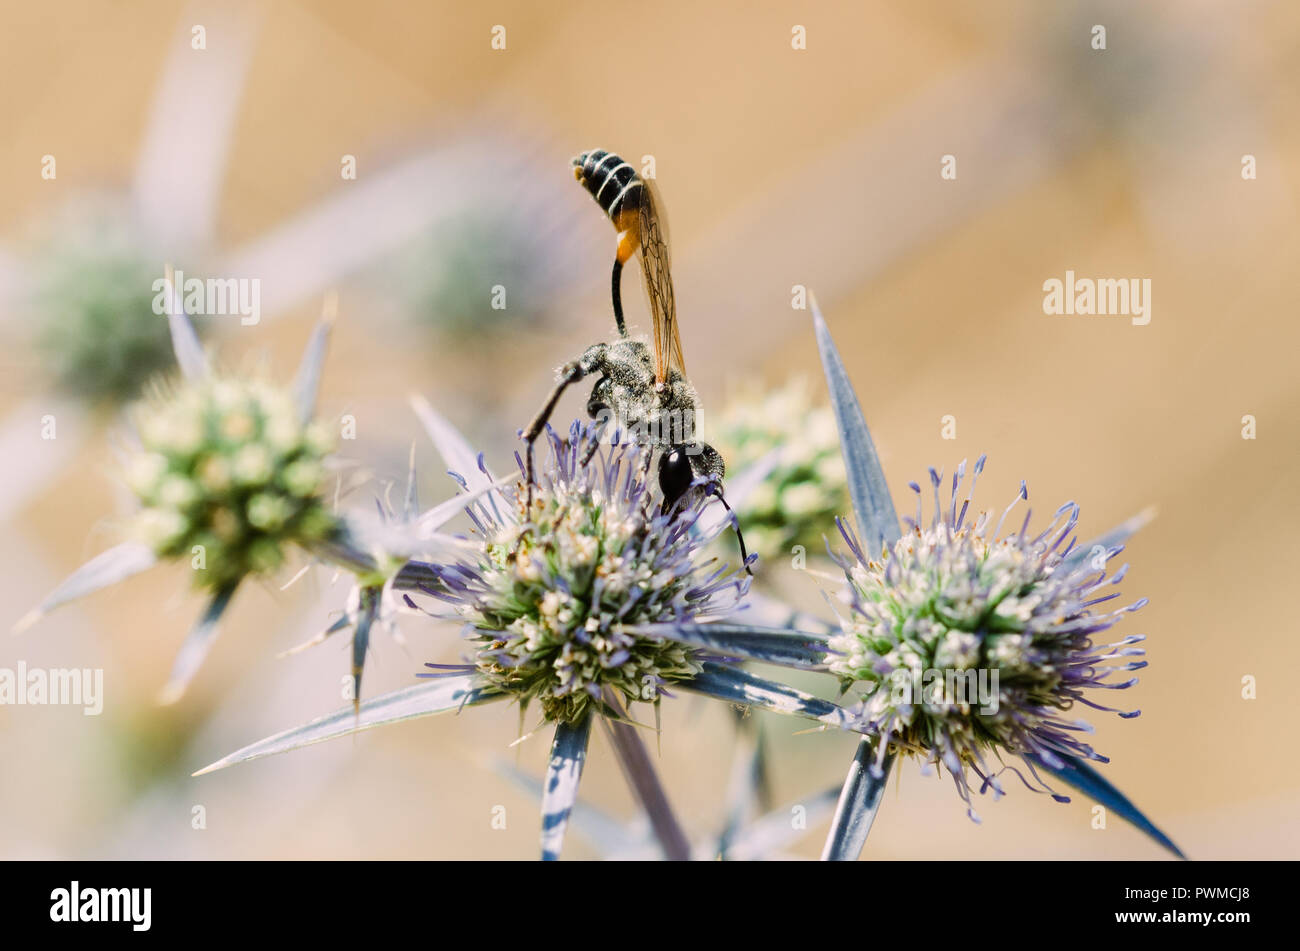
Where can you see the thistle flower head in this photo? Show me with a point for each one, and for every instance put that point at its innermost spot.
(444, 275)
(92, 300)
(806, 486)
(551, 594)
(228, 464)
(965, 641)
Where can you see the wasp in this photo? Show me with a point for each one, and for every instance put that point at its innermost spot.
(644, 389)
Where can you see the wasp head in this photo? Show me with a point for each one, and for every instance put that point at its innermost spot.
(681, 465)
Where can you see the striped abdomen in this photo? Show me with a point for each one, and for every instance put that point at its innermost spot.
(614, 184)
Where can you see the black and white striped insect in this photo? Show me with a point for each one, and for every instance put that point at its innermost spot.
(632, 203)
(642, 390)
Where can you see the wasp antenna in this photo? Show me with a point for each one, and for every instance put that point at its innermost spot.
(740, 536)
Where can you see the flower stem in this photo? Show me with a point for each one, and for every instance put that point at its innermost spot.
(643, 779)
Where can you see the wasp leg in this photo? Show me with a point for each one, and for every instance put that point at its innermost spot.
(597, 435)
(569, 373)
(649, 448)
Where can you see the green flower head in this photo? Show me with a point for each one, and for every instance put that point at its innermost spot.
(805, 488)
(227, 470)
(965, 642)
(92, 296)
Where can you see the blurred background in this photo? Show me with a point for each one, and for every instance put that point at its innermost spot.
(779, 167)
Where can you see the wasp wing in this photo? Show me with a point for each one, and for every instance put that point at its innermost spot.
(656, 271)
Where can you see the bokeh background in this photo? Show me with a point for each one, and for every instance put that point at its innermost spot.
(779, 167)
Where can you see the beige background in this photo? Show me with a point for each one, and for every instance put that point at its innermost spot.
(778, 167)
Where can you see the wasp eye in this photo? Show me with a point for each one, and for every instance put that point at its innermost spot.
(675, 475)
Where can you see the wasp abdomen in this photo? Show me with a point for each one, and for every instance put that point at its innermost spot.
(614, 184)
